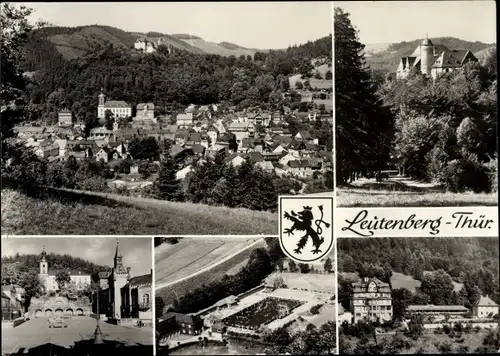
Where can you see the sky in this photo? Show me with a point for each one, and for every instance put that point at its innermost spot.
(397, 21)
(136, 252)
(262, 25)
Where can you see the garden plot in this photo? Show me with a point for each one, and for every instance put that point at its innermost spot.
(263, 312)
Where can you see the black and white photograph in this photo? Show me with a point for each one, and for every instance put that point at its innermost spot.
(163, 118)
(428, 295)
(77, 296)
(416, 103)
(241, 296)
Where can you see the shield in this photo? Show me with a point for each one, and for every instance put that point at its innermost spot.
(305, 227)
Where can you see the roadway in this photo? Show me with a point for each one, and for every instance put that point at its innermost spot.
(36, 332)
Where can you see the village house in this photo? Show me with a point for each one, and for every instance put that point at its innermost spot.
(65, 118)
(100, 133)
(29, 131)
(241, 130)
(173, 323)
(47, 151)
(184, 120)
(485, 308)
(371, 299)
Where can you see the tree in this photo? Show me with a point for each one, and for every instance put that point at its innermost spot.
(168, 187)
(292, 266)
(146, 148)
(110, 120)
(363, 126)
(328, 75)
(304, 268)
(299, 85)
(15, 31)
(159, 305)
(328, 265)
(62, 279)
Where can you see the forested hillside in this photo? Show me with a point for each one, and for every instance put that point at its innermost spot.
(55, 261)
(471, 261)
(387, 60)
(162, 77)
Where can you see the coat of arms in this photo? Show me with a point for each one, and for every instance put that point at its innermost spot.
(306, 232)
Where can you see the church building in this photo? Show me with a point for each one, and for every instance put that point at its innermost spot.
(119, 108)
(432, 60)
(48, 277)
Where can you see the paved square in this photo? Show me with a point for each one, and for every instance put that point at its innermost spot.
(36, 332)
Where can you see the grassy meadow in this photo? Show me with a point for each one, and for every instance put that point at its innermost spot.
(75, 213)
(404, 192)
(170, 293)
(191, 255)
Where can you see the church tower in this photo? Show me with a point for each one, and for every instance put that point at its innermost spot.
(100, 107)
(120, 279)
(426, 56)
(44, 265)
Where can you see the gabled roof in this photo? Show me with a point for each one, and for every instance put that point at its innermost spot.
(304, 134)
(451, 59)
(180, 318)
(255, 156)
(485, 301)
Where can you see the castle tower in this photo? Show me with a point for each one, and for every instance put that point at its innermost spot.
(426, 56)
(120, 278)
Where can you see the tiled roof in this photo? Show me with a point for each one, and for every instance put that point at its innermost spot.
(485, 301)
(450, 59)
(255, 156)
(179, 317)
(116, 104)
(197, 148)
(143, 280)
(140, 106)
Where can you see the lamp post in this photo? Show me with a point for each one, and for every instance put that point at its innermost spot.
(98, 333)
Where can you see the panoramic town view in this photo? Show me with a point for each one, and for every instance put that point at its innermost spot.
(233, 295)
(76, 296)
(426, 295)
(148, 129)
(416, 103)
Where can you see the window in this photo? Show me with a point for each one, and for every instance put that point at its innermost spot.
(145, 299)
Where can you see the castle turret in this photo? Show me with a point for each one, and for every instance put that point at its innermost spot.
(120, 278)
(426, 56)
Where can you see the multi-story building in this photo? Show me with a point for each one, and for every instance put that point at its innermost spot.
(432, 60)
(372, 300)
(485, 308)
(118, 108)
(122, 296)
(65, 118)
(48, 277)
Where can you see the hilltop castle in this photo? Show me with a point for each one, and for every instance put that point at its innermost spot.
(432, 60)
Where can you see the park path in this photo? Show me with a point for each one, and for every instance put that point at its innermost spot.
(209, 267)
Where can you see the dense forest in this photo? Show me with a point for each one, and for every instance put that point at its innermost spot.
(474, 262)
(441, 130)
(55, 261)
(162, 77)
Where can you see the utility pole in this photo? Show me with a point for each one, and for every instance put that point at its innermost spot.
(98, 333)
